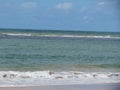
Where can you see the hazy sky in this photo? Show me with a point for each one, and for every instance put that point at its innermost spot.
(85, 15)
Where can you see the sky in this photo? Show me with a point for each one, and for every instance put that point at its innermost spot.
(83, 15)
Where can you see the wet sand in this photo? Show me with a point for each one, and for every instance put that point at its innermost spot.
(115, 86)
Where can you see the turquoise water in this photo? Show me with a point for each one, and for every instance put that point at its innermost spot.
(53, 52)
(19, 52)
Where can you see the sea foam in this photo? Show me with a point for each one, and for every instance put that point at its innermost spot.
(62, 36)
(53, 78)
(81, 36)
(17, 34)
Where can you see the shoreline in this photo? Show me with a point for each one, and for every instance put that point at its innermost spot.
(106, 86)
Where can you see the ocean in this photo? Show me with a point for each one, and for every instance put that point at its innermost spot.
(47, 57)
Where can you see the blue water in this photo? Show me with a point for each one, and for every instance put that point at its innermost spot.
(38, 51)
(58, 51)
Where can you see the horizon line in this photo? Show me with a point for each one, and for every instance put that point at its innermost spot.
(28, 29)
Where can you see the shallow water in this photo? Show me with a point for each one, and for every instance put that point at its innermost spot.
(59, 51)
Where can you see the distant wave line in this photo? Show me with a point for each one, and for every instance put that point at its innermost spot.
(17, 34)
(64, 36)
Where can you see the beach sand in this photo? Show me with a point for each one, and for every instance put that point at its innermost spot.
(115, 86)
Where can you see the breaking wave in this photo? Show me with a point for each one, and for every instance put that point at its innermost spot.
(52, 78)
(81, 36)
(17, 34)
(58, 35)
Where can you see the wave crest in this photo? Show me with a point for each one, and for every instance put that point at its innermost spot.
(62, 36)
(49, 77)
(17, 34)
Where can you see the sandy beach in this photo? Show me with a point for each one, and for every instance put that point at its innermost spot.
(115, 86)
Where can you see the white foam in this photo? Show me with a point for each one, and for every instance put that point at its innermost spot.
(17, 34)
(64, 36)
(81, 36)
(14, 78)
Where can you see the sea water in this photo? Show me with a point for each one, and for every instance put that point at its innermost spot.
(33, 57)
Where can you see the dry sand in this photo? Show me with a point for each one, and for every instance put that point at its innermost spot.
(68, 87)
